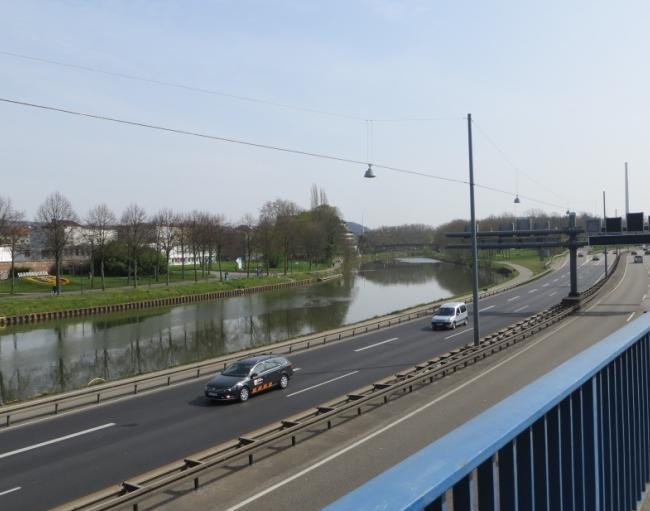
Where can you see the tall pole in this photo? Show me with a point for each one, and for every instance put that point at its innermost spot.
(604, 220)
(627, 195)
(475, 307)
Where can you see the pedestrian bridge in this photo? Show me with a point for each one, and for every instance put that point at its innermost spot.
(576, 439)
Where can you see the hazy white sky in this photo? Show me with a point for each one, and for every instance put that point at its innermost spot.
(562, 87)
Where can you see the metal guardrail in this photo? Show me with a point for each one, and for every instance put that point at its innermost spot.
(576, 438)
(52, 405)
(287, 431)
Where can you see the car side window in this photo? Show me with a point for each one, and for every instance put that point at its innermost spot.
(458, 310)
(463, 308)
(267, 365)
(258, 369)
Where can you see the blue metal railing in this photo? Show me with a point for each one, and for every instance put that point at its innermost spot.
(576, 439)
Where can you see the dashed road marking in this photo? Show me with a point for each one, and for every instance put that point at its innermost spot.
(545, 285)
(459, 333)
(486, 308)
(532, 291)
(514, 298)
(521, 308)
(377, 344)
(9, 491)
(553, 293)
(321, 384)
(629, 317)
(55, 440)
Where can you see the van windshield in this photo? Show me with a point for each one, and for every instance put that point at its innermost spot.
(445, 311)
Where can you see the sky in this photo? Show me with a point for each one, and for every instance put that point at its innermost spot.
(558, 93)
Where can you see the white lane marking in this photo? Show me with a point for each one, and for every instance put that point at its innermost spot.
(404, 418)
(644, 297)
(555, 280)
(377, 344)
(55, 440)
(521, 308)
(459, 333)
(545, 285)
(532, 291)
(514, 298)
(487, 308)
(296, 369)
(9, 491)
(553, 293)
(629, 317)
(321, 384)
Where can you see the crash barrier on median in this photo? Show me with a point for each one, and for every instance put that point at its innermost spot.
(577, 438)
(53, 405)
(187, 474)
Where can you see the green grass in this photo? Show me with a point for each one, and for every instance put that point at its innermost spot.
(524, 257)
(10, 306)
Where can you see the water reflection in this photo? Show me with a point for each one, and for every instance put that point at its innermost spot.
(67, 354)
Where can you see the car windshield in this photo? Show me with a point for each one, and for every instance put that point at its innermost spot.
(445, 311)
(238, 369)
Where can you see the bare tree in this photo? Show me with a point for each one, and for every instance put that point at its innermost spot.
(136, 231)
(100, 221)
(13, 231)
(56, 215)
(5, 207)
(168, 225)
(183, 236)
(282, 214)
(247, 230)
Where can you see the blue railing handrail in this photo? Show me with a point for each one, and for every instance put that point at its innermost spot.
(427, 474)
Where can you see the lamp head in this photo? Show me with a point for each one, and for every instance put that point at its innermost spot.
(517, 201)
(369, 173)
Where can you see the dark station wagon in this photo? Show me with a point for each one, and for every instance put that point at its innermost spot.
(249, 376)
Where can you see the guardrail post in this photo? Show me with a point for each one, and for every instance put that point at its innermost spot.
(8, 420)
(135, 388)
(98, 397)
(56, 408)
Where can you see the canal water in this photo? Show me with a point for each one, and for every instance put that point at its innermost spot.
(66, 354)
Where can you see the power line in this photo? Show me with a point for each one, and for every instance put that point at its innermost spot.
(515, 167)
(259, 146)
(213, 92)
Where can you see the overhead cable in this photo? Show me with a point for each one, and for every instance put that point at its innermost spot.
(260, 146)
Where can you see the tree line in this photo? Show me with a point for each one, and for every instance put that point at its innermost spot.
(436, 237)
(138, 241)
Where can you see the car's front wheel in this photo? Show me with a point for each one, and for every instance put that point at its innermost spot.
(244, 394)
(453, 325)
(284, 381)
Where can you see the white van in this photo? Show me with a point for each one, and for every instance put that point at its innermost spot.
(449, 315)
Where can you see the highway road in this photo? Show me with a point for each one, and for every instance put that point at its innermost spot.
(50, 462)
(328, 466)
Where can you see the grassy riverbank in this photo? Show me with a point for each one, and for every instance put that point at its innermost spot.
(10, 306)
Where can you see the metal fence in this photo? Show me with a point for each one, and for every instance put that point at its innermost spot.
(576, 439)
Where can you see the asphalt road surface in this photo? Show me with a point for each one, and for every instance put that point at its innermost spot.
(53, 461)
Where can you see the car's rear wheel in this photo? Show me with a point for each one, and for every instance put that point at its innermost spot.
(244, 394)
(284, 381)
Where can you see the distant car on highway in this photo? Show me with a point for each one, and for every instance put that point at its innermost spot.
(449, 315)
(595, 258)
(633, 252)
(580, 254)
(249, 376)
(638, 259)
(647, 252)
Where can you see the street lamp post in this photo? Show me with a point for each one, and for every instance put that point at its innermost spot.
(475, 305)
